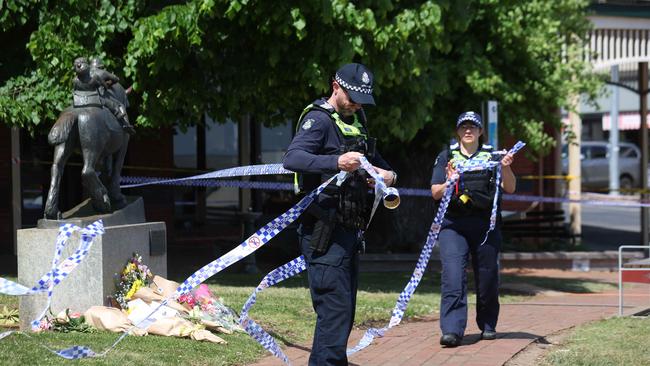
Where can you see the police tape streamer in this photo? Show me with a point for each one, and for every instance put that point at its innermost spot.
(432, 237)
(250, 245)
(279, 274)
(263, 236)
(263, 169)
(55, 276)
(389, 195)
(403, 191)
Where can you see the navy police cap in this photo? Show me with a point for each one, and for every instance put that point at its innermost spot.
(470, 116)
(357, 80)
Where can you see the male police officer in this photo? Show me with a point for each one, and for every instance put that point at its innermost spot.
(331, 137)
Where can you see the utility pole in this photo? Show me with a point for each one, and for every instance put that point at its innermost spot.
(614, 171)
(643, 110)
(575, 189)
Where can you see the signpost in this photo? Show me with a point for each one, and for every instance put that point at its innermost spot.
(493, 123)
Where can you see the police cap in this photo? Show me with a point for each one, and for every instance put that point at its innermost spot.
(470, 116)
(357, 80)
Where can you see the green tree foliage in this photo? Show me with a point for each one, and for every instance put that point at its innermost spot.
(431, 59)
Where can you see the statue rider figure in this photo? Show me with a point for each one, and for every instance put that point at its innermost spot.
(92, 86)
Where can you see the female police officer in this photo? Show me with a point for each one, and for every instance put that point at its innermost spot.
(464, 229)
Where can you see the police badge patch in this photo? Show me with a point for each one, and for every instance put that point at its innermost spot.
(307, 124)
(365, 78)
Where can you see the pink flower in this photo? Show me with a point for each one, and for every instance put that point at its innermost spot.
(75, 315)
(202, 291)
(187, 299)
(208, 308)
(43, 325)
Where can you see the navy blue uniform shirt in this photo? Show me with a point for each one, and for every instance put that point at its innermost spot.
(317, 146)
(439, 175)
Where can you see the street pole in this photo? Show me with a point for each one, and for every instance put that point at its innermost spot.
(614, 185)
(643, 110)
(16, 191)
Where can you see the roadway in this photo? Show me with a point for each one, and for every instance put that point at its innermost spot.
(607, 227)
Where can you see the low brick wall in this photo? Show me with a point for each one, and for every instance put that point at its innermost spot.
(577, 261)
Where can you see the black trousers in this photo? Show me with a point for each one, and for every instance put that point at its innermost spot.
(333, 279)
(459, 238)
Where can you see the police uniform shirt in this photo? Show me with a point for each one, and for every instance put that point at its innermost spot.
(439, 175)
(316, 147)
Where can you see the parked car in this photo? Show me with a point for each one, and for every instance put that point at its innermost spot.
(594, 162)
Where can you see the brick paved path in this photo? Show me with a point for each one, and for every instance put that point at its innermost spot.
(416, 343)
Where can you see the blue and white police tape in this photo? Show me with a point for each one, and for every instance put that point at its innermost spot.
(421, 265)
(403, 191)
(389, 195)
(254, 242)
(248, 246)
(242, 171)
(279, 274)
(55, 276)
(468, 165)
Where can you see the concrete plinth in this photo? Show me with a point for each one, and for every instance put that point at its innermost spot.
(94, 280)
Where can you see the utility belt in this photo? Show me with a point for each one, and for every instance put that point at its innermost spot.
(470, 203)
(347, 206)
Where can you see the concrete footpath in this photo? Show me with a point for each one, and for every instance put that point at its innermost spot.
(416, 343)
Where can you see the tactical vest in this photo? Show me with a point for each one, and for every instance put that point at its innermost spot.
(353, 202)
(474, 191)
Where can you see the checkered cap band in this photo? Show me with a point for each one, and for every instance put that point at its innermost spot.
(347, 86)
(470, 116)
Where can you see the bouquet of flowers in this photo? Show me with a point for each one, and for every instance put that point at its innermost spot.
(209, 309)
(64, 322)
(134, 276)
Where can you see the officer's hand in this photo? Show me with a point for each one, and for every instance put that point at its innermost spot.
(349, 161)
(387, 175)
(507, 160)
(450, 170)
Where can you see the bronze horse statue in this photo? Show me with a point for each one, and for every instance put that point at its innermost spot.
(103, 144)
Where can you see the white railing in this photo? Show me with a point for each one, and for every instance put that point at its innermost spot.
(621, 268)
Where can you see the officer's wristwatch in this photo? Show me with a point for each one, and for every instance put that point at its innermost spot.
(394, 178)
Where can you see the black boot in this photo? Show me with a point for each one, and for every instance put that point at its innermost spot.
(450, 340)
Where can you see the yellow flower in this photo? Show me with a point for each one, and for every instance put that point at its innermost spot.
(137, 284)
(129, 267)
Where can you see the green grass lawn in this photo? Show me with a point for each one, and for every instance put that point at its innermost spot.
(284, 310)
(615, 341)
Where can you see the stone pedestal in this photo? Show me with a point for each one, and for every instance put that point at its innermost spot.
(94, 279)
